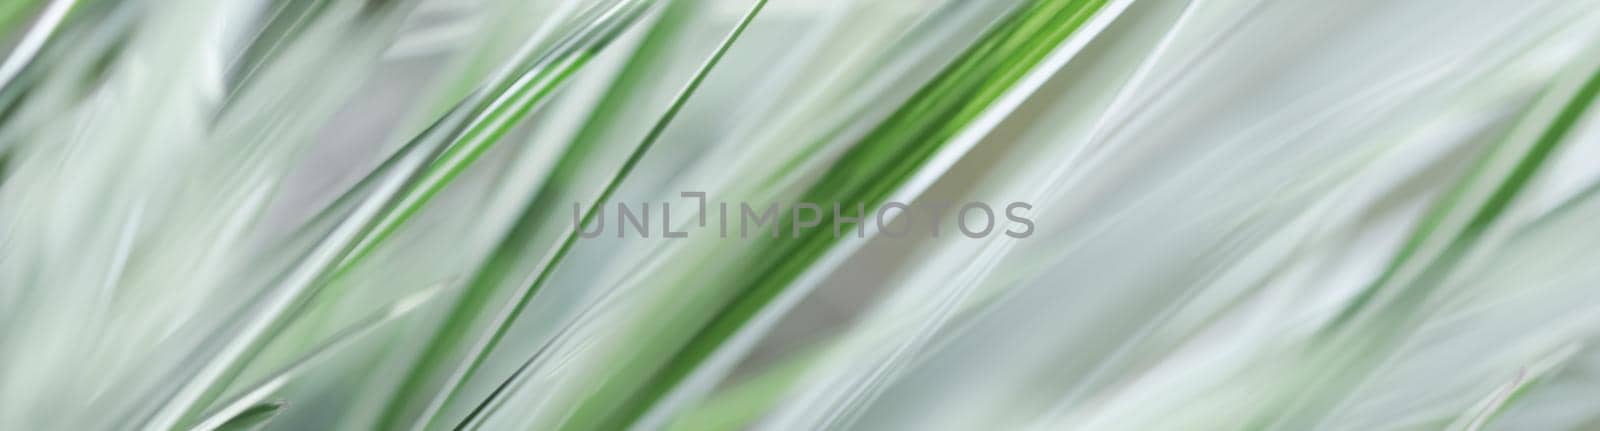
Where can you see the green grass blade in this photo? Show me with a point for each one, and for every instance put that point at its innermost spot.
(256, 394)
(522, 242)
(253, 418)
(569, 238)
(866, 174)
(455, 142)
(1381, 316)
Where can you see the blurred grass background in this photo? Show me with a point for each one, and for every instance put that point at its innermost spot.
(1265, 214)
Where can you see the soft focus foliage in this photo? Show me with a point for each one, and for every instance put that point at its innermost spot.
(359, 214)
